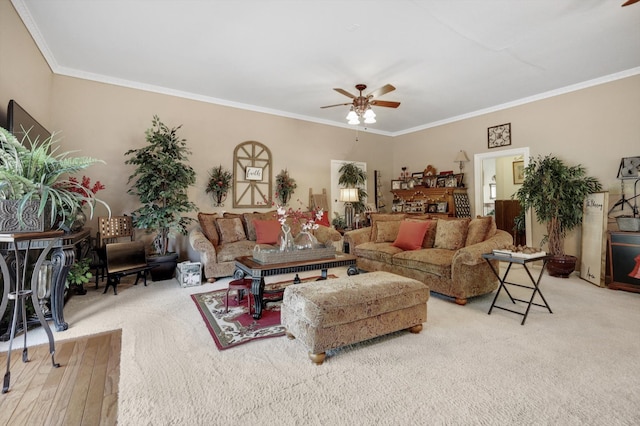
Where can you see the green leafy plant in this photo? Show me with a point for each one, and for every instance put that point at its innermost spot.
(160, 181)
(556, 192)
(80, 272)
(352, 176)
(219, 183)
(285, 186)
(41, 173)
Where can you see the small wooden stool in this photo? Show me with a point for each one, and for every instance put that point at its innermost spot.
(240, 286)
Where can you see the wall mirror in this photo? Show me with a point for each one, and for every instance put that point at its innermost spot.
(252, 176)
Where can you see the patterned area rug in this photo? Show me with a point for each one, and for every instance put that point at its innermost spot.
(236, 327)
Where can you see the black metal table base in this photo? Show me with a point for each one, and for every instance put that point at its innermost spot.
(503, 283)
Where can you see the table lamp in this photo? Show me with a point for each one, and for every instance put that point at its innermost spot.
(349, 196)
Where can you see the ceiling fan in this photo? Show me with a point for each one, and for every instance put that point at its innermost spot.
(629, 2)
(361, 105)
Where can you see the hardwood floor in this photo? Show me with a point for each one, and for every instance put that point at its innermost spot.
(83, 391)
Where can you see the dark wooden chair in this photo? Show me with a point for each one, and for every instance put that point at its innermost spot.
(125, 259)
(110, 230)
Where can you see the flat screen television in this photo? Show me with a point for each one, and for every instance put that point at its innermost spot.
(19, 121)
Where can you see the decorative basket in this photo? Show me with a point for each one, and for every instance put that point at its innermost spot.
(277, 256)
(628, 223)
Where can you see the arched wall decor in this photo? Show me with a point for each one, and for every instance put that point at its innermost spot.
(252, 176)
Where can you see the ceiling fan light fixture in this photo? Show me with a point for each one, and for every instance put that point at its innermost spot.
(369, 120)
(354, 120)
(369, 114)
(352, 116)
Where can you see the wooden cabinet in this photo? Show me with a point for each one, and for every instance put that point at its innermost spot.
(506, 212)
(440, 202)
(624, 260)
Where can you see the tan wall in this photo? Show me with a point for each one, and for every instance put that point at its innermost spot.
(24, 73)
(595, 126)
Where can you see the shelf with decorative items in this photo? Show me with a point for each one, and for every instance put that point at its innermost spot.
(439, 202)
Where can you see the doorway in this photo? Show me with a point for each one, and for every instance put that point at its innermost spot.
(488, 182)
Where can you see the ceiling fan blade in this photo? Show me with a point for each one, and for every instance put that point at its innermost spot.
(388, 104)
(329, 106)
(630, 2)
(381, 91)
(344, 92)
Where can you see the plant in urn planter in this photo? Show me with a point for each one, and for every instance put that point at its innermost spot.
(218, 185)
(556, 193)
(160, 181)
(36, 192)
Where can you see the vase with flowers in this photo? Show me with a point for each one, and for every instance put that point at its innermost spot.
(218, 185)
(77, 220)
(285, 186)
(307, 222)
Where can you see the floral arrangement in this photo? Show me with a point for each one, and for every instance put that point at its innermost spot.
(218, 185)
(285, 185)
(307, 222)
(84, 189)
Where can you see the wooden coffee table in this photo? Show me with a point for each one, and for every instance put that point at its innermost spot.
(247, 267)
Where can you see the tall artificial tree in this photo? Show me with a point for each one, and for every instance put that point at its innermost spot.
(161, 180)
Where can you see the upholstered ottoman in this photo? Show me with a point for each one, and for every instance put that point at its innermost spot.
(328, 314)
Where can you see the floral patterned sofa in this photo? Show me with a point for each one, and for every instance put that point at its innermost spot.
(445, 254)
(221, 238)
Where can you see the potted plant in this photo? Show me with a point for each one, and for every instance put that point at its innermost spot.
(556, 192)
(35, 184)
(352, 176)
(160, 181)
(285, 186)
(79, 274)
(218, 185)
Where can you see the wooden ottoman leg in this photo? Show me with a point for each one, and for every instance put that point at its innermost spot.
(415, 329)
(317, 359)
(290, 336)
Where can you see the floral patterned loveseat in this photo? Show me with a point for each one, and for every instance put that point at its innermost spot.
(221, 238)
(445, 254)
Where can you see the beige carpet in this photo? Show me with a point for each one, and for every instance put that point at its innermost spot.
(579, 365)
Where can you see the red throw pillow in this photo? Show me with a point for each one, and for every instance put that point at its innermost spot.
(267, 231)
(410, 235)
(324, 221)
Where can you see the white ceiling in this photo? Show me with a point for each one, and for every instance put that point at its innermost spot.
(448, 59)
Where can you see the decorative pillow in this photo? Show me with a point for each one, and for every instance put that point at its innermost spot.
(248, 218)
(479, 229)
(267, 231)
(430, 235)
(411, 234)
(324, 221)
(208, 224)
(451, 234)
(386, 231)
(230, 230)
(377, 217)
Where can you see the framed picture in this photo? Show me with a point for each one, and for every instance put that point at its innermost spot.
(396, 184)
(253, 173)
(446, 173)
(459, 179)
(432, 208)
(442, 207)
(417, 177)
(451, 181)
(499, 135)
(518, 172)
(430, 181)
(441, 181)
(404, 185)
